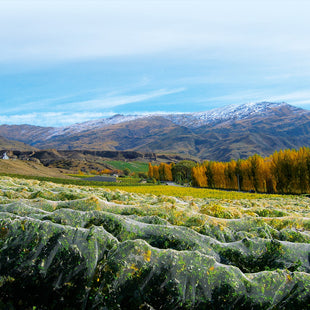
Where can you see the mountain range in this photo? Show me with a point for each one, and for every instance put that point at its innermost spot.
(232, 132)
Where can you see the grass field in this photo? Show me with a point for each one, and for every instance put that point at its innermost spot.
(177, 191)
(132, 166)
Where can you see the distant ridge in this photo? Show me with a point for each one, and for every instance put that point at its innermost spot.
(191, 120)
(231, 132)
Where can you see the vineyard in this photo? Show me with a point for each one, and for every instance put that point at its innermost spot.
(69, 246)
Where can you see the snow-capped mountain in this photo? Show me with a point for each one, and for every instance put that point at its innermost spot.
(190, 120)
(91, 125)
(234, 131)
(231, 112)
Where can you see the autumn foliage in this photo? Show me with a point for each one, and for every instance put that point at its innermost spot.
(286, 171)
(161, 172)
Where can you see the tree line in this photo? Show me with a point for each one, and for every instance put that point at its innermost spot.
(285, 171)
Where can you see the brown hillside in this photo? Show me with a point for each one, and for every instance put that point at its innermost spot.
(6, 144)
(29, 168)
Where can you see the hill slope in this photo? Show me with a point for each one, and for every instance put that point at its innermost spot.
(6, 144)
(29, 168)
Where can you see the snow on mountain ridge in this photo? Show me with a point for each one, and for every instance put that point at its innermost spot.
(192, 120)
(231, 112)
(90, 125)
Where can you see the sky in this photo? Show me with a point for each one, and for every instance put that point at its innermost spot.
(65, 62)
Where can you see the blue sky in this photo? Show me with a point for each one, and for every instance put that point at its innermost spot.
(63, 62)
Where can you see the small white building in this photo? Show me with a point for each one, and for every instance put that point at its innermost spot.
(5, 156)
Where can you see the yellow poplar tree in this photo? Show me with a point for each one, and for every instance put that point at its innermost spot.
(150, 172)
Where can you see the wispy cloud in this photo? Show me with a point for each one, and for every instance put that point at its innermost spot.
(114, 101)
(84, 110)
(298, 98)
(239, 97)
(103, 101)
(293, 96)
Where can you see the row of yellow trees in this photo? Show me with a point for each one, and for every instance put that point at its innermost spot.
(286, 171)
(161, 172)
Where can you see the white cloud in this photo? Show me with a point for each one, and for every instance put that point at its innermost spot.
(62, 30)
